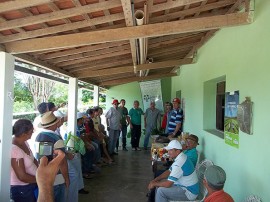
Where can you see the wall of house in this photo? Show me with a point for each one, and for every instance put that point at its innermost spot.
(241, 55)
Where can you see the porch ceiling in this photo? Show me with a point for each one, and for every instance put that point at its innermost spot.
(95, 40)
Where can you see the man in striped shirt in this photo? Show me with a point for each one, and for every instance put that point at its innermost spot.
(180, 182)
(176, 119)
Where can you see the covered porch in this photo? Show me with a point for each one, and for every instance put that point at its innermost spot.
(95, 42)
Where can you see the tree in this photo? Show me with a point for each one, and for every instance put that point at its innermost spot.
(40, 89)
(87, 95)
(21, 92)
(59, 94)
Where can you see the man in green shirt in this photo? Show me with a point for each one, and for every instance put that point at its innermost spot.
(124, 123)
(135, 115)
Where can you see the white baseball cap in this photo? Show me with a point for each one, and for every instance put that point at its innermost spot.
(174, 144)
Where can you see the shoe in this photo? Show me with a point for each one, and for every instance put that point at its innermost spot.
(88, 176)
(83, 191)
(138, 149)
(115, 153)
(125, 149)
(133, 149)
(145, 148)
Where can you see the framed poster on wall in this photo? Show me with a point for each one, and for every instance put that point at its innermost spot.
(231, 126)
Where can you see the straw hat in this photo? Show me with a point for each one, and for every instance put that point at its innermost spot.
(48, 119)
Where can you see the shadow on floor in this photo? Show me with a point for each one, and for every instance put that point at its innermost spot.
(127, 180)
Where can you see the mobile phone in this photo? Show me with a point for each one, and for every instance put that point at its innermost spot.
(45, 149)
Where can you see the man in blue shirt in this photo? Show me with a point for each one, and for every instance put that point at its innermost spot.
(176, 119)
(180, 182)
(190, 148)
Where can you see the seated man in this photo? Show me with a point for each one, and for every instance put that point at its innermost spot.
(214, 180)
(190, 148)
(178, 183)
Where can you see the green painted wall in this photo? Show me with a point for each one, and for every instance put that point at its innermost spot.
(241, 54)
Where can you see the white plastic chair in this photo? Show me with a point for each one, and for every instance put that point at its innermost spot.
(253, 198)
(200, 170)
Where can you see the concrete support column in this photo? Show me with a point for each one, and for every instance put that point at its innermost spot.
(6, 111)
(72, 105)
(96, 95)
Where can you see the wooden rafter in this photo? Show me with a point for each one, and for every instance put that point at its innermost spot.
(126, 33)
(33, 61)
(128, 69)
(62, 28)
(92, 54)
(58, 14)
(172, 4)
(82, 50)
(132, 79)
(98, 57)
(129, 23)
(19, 4)
(191, 11)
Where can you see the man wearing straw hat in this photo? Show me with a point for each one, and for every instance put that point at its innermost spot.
(49, 125)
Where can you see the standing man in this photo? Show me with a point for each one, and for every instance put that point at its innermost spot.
(151, 122)
(124, 123)
(214, 180)
(135, 115)
(49, 124)
(180, 182)
(113, 125)
(176, 119)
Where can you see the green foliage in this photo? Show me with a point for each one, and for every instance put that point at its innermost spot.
(87, 96)
(21, 92)
(30, 117)
(102, 98)
(59, 94)
(23, 106)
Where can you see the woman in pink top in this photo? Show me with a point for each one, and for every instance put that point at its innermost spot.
(23, 163)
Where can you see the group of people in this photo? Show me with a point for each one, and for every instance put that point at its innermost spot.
(80, 155)
(180, 181)
(85, 152)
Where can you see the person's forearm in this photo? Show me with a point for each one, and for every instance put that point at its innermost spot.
(165, 183)
(178, 126)
(163, 176)
(64, 169)
(45, 194)
(27, 178)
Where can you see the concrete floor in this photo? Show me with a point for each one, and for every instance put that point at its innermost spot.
(127, 180)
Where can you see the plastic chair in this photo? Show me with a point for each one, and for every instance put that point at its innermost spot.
(253, 198)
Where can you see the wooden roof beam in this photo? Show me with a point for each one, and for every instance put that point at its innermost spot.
(128, 69)
(88, 59)
(19, 4)
(191, 11)
(30, 60)
(61, 28)
(129, 22)
(126, 33)
(82, 49)
(56, 15)
(172, 4)
(132, 79)
(90, 54)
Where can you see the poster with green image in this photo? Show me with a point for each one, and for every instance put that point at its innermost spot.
(231, 126)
